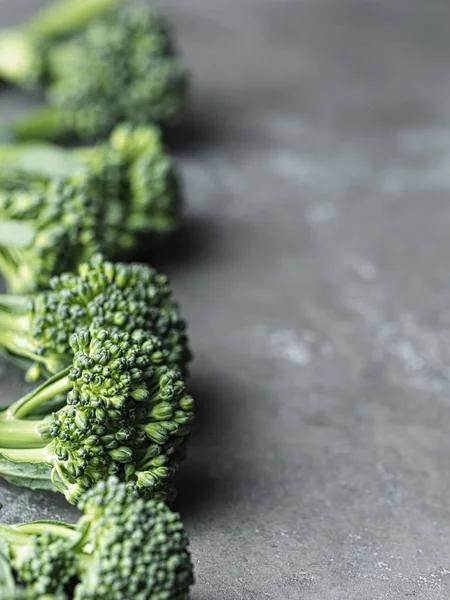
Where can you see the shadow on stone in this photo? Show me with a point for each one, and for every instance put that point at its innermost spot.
(192, 243)
(190, 135)
(206, 482)
(200, 126)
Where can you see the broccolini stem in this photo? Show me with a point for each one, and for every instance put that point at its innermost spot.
(28, 455)
(18, 344)
(16, 269)
(7, 267)
(56, 528)
(44, 123)
(57, 384)
(12, 303)
(13, 323)
(84, 562)
(12, 536)
(64, 16)
(20, 433)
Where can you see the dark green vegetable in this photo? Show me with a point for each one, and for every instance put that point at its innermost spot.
(100, 62)
(122, 547)
(35, 330)
(58, 207)
(123, 411)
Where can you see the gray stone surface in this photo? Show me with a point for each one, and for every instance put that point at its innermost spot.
(314, 270)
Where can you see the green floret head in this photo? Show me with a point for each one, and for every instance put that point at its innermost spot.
(113, 296)
(126, 414)
(136, 174)
(120, 67)
(45, 566)
(153, 180)
(58, 226)
(137, 548)
(108, 170)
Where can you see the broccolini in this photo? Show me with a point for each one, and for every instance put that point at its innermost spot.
(122, 547)
(122, 411)
(58, 207)
(100, 62)
(35, 330)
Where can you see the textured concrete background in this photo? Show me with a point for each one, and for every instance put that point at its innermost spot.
(314, 271)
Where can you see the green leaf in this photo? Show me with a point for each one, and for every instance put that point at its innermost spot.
(16, 234)
(44, 160)
(35, 476)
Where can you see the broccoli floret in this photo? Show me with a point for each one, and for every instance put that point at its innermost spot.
(121, 65)
(123, 411)
(122, 547)
(102, 295)
(134, 167)
(23, 50)
(47, 228)
(44, 563)
(28, 548)
(58, 207)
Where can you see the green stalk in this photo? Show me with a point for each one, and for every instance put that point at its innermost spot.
(9, 534)
(13, 323)
(65, 16)
(7, 267)
(44, 123)
(20, 433)
(28, 455)
(16, 269)
(14, 303)
(84, 562)
(17, 344)
(57, 384)
(54, 527)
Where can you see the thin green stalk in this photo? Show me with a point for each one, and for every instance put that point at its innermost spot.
(57, 384)
(17, 344)
(13, 323)
(20, 433)
(14, 303)
(7, 268)
(28, 455)
(64, 16)
(84, 562)
(9, 534)
(54, 527)
(44, 123)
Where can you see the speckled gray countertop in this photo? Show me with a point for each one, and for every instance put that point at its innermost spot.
(314, 268)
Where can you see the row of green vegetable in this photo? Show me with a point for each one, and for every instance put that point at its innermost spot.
(109, 418)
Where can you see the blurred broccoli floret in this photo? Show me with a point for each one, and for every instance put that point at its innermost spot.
(122, 547)
(23, 50)
(58, 207)
(47, 227)
(103, 65)
(134, 166)
(10, 589)
(102, 295)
